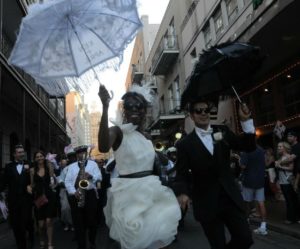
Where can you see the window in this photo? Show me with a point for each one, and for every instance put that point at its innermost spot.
(177, 93)
(247, 1)
(162, 104)
(207, 36)
(264, 106)
(218, 20)
(171, 98)
(232, 9)
(193, 53)
(291, 93)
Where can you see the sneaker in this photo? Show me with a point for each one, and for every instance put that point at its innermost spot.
(260, 231)
(66, 229)
(72, 229)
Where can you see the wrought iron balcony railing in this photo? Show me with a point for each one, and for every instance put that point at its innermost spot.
(6, 48)
(165, 54)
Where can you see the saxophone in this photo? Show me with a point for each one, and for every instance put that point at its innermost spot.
(83, 183)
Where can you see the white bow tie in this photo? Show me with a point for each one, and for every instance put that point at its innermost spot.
(205, 132)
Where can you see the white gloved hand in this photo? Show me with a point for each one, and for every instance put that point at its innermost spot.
(4, 209)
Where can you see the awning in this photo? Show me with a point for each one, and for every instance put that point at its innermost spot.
(165, 120)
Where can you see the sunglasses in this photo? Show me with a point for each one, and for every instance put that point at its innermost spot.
(201, 110)
(131, 106)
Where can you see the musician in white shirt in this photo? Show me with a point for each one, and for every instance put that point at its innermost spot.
(84, 216)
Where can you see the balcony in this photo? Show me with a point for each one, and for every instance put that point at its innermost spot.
(166, 123)
(137, 73)
(5, 50)
(165, 55)
(151, 80)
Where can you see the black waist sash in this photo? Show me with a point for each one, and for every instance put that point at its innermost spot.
(138, 174)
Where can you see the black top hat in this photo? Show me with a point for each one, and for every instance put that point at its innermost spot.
(81, 148)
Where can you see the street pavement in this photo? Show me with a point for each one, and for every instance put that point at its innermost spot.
(191, 238)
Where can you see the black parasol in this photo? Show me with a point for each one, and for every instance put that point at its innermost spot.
(220, 68)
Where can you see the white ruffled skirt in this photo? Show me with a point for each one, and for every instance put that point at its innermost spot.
(141, 213)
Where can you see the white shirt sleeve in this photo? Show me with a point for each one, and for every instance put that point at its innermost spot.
(96, 173)
(248, 126)
(61, 178)
(70, 179)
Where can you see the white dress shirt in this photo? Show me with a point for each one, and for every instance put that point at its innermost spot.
(62, 177)
(91, 168)
(206, 135)
(19, 168)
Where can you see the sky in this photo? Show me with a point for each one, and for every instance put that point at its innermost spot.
(115, 81)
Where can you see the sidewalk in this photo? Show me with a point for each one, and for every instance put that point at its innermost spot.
(275, 219)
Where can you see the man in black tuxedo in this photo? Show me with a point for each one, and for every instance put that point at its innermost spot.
(205, 154)
(16, 179)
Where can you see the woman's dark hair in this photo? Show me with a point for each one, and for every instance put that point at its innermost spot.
(35, 165)
(135, 96)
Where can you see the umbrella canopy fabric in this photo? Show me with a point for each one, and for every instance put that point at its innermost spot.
(61, 87)
(65, 38)
(219, 68)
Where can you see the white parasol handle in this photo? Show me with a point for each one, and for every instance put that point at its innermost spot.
(236, 94)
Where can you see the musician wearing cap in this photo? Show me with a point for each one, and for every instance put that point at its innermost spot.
(80, 182)
(205, 154)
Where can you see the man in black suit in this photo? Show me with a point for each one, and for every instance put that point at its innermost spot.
(16, 179)
(205, 154)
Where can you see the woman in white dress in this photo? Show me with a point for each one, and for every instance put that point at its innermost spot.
(140, 212)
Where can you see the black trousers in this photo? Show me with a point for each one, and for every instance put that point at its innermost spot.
(20, 217)
(235, 220)
(85, 219)
(291, 202)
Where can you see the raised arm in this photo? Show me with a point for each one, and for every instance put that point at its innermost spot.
(107, 137)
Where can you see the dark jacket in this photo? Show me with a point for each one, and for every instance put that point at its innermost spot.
(210, 174)
(15, 183)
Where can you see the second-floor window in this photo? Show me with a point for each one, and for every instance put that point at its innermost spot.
(232, 9)
(207, 36)
(176, 92)
(291, 93)
(162, 104)
(218, 20)
(171, 98)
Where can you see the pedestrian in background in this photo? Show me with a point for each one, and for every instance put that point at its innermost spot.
(43, 183)
(285, 178)
(253, 181)
(66, 216)
(292, 139)
(271, 174)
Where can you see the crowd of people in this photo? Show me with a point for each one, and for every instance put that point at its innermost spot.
(47, 189)
(274, 172)
(124, 193)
